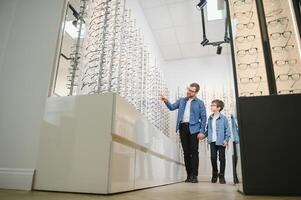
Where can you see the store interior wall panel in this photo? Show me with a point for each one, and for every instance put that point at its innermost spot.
(75, 144)
(270, 137)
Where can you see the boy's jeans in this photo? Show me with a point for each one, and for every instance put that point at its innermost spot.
(222, 159)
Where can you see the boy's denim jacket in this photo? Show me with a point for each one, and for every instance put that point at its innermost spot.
(222, 130)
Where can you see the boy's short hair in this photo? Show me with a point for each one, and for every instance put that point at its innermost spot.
(197, 86)
(219, 103)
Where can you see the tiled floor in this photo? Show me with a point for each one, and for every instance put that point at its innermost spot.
(182, 191)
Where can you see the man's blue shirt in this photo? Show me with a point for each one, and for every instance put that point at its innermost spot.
(197, 119)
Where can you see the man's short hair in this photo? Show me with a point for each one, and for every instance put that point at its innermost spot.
(197, 86)
(219, 103)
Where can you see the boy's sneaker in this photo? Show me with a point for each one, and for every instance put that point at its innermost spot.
(194, 179)
(222, 180)
(214, 179)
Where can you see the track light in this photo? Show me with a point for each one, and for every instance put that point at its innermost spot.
(74, 22)
(219, 50)
(201, 4)
(204, 42)
(227, 39)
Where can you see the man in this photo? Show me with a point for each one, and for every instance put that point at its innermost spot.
(191, 123)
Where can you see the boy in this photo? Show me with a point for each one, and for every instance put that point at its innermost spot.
(218, 135)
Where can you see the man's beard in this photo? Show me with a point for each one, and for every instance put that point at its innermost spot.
(189, 96)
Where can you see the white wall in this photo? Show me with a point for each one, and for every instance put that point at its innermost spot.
(148, 36)
(7, 11)
(212, 72)
(29, 32)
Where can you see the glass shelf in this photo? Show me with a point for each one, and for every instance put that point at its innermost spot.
(284, 38)
(248, 49)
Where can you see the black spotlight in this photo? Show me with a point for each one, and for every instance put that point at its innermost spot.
(219, 50)
(74, 22)
(205, 42)
(201, 4)
(227, 39)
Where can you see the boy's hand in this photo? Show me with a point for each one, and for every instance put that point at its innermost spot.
(163, 98)
(225, 143)
(201, 136)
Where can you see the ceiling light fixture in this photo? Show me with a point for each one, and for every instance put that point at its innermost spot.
(201, 4)
(219, 50)
(206, 41)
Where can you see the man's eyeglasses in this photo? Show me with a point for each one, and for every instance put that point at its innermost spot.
(190, 90)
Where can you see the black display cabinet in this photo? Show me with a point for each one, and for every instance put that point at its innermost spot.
(265, 37)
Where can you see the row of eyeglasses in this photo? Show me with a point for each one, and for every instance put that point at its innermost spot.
(115, 59)
(284, 46)
(249, 55)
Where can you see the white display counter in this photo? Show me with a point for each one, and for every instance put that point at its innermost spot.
(101, 144)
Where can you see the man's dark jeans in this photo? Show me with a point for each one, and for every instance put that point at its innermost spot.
(190, 144)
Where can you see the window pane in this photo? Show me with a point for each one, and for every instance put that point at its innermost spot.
(212, 11)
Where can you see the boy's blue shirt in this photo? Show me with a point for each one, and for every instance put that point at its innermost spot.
(222, 130)
(198, 117)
